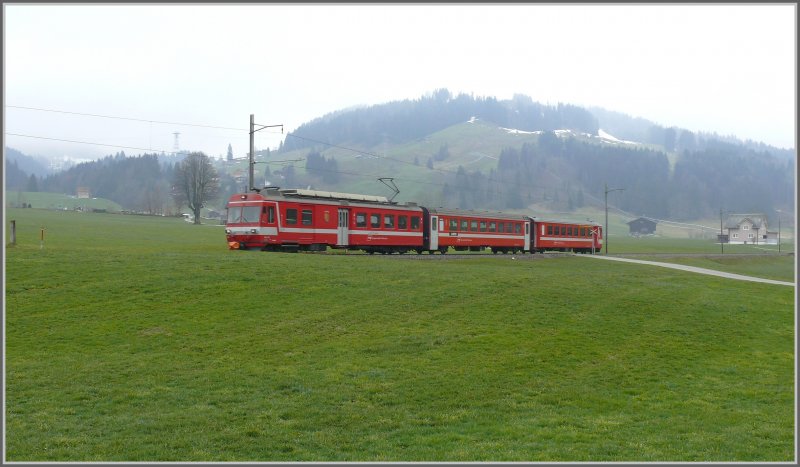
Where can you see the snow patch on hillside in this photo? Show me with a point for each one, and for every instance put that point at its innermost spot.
(605, 136)
(514, 131)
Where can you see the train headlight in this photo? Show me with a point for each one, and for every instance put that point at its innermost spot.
(252, 231)
(228, 231)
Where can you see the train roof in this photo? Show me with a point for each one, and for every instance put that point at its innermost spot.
(478, 214)
(333, 195)
(324, 197)
(562, 221)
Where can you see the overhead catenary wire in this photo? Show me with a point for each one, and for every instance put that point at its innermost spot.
(152, 151)
(116, 117)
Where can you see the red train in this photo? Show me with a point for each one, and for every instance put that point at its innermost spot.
(292, 220)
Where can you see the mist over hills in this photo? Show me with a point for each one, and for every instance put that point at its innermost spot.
(484, 153)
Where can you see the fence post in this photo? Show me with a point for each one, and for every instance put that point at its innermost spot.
(13, 232)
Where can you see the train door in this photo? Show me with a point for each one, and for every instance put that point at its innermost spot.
(343, 229)
(434, 233)
(308, 230)
(527, 237)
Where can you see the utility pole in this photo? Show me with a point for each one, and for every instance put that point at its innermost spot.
(252, 156)
(721, 239)
(779, 230)
(605, 233)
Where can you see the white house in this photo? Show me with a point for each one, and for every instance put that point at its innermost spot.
(749, 229)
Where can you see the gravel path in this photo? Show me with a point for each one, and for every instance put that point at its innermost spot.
(681, 267)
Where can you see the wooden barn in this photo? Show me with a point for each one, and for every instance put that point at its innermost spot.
(641, 226)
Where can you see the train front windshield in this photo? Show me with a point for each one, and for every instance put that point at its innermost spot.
(243, 215)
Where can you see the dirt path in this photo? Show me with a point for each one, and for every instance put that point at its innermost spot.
(681, 267)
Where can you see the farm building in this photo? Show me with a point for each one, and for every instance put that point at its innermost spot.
(642, 226)
(749, 228)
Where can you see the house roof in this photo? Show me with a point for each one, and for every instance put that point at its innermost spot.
(735, 220)
(643, 219)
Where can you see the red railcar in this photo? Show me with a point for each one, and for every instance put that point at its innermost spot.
(292, 220)
(566, 236)
(314, 220)
(477, 231)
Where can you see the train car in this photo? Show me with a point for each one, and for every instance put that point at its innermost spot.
(550, 235)
(477, 231)
(310, 220)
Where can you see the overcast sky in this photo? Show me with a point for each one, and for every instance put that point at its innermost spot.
(729, 69)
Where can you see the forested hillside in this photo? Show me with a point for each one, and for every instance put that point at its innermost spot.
(408, 120)
(567, 173)
(667, 172)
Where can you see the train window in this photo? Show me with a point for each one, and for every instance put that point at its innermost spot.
(492, 226)
(549, 230)
(517, 228)
(361, 219)
(271, 215)
(402, 222)
(569, 231)
(453, 225)
(291, 216)
(415, 223)
(473, 226)
(234, 214)
(483, 226)
(388, 221)
(583, 231)
(306, 219)
(251, 214)
(464, 225)
(563, 230)
(509, 227)
(375, 221)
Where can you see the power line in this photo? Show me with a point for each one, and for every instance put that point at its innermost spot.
(124, 118)
(88, 142)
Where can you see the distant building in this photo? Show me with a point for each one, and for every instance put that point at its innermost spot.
(83, 192)
(642, 226)
(749, 229)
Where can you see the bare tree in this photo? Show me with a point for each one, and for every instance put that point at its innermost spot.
(196, 183)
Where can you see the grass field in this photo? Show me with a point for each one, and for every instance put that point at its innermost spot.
(134, 338)
(44, 200)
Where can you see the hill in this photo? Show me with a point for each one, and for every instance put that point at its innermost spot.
(483, 153)
(486, 154)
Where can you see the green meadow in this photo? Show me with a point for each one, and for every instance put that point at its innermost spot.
(133, 338)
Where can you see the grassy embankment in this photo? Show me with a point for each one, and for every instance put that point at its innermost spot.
(144, 339)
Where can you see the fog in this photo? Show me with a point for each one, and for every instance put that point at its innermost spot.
(729, 69)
